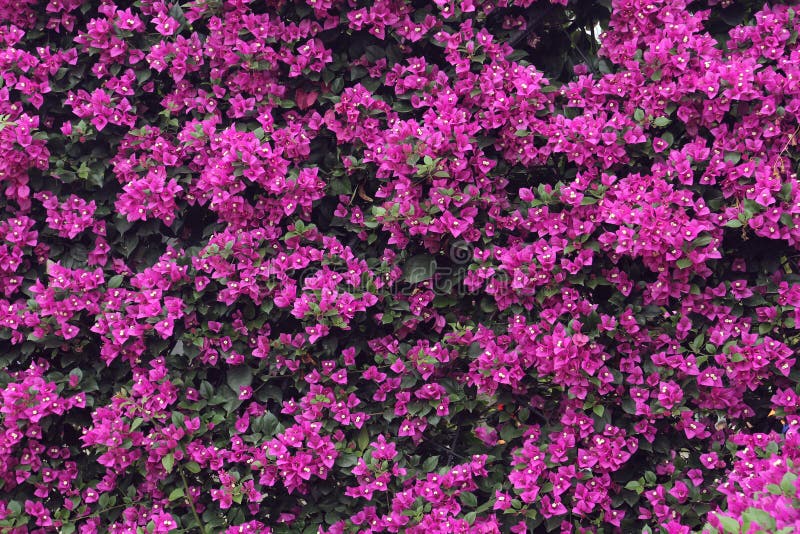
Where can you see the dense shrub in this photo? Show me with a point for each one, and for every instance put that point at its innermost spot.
(399, 266)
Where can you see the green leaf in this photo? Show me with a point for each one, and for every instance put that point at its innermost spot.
(78, 252)
(430, 464)
(684, 263)
(347, 459)
(266, 424)
(136, 423)
(509, 432)
(697, 344)
(628, 406)
(374, 53)
(751, 206)
(661, 122)
(15, 507)
(733, 157)
(635, 485)
(763, 518)
(178, 349)
(239, 376)
(176, 494)
(485, 140)
(789, 484)
(419, 268)
(468, 499)
(729, 524)
(786, 191)
(178, 419)
(363, 439)
(168, 462)
(192, 467)
(176, 12)
(702, 240)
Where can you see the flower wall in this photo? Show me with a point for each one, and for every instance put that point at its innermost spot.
(399, 266)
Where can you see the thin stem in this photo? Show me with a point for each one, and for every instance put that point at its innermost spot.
(103, 511)
(190, 500)
(453, 445)
(444, 448)
(779, 159)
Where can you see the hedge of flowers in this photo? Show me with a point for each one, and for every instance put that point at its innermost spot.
(399, 266)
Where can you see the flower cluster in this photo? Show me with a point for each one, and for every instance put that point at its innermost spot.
(477, 266)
